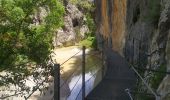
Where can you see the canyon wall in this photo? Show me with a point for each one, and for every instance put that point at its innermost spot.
(111, 18)
(74, 29)
(139, 31)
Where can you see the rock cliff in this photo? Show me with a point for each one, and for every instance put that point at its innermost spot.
(139, 31)
(111, 18)
(74, 28)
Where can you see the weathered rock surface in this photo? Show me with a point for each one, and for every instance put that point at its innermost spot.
(164, 37)
(138, 30)
(111, 22)
(73, 29)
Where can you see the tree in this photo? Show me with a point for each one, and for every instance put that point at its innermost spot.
(20, 38)
(26, 31)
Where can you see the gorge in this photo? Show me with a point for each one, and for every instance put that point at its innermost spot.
(139, 31)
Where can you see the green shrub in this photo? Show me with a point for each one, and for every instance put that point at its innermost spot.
(153, 11)
(90, 42)
(90, 23)
(158, 77)
(84, 4)
(20, 38)
(87, 8)
(145, 97)
(74, 1)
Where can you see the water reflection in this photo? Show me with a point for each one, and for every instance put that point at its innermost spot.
(76, 88)
(92, 77)
(69, 91)
(72, 73)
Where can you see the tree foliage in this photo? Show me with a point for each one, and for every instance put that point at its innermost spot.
(26, 28)
(88, 8)
(85, 5)
(153, 13)
(26, 31)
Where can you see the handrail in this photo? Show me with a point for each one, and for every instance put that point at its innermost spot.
(78, 93)
(149, 69)
(89, 80)
(75, 71)
(93, 54)
(69, 77)
(142, 93)
(75, 85)
(70, 58)
(154, 93)
(94, 74)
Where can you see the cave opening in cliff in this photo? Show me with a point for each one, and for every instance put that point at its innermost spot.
(75, 22)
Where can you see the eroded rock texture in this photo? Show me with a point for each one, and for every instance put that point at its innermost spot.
(139, 31)
(111, 18)
(74, 28)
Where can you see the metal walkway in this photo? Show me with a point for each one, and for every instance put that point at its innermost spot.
(119, 76)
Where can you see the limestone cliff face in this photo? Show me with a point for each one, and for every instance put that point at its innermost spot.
(111, 22)
(74, 28)
(138, 30)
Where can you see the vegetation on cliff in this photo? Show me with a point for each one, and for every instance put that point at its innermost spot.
(87, 7)
(154, 9)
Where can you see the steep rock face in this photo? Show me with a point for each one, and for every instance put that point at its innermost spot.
(111, 17)
(74, 27)
(164, 44)
(139, 31)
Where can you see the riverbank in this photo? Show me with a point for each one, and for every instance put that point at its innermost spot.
(71, 72)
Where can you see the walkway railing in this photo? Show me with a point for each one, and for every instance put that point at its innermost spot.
(92, 76)
(58, 68)
(136, 67)
(82, 78)
(157, 97)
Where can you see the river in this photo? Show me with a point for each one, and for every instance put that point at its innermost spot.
(72, 71)
(71, 74)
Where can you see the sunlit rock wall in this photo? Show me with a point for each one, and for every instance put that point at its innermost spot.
(111, 18)
(74, 28)
(139, 31)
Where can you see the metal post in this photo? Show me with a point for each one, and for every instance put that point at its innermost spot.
(132, 60)
(83, 73)
(103, 59)
(56, 82)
